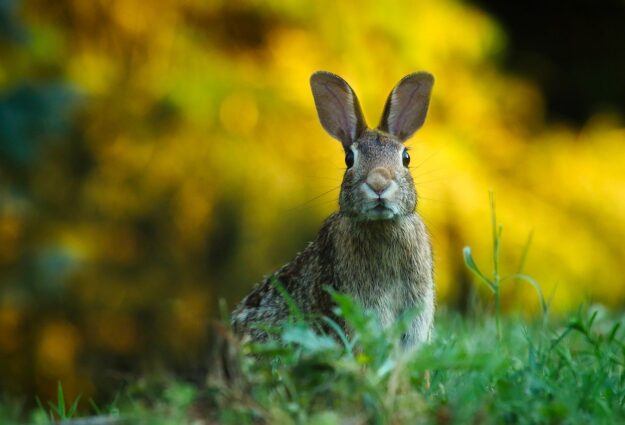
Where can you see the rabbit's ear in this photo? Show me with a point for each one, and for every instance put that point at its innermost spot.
(337, 107)
(407, 105)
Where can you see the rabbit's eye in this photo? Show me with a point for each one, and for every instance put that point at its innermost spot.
(349, 158)
(405, 158)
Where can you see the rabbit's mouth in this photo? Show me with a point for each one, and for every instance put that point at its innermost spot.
(380, 211)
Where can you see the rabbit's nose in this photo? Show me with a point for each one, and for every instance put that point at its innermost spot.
(379, 179)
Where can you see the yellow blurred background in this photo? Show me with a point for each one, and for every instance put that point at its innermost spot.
(156, 157)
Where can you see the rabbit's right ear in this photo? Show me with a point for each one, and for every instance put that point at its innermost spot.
(337, 107)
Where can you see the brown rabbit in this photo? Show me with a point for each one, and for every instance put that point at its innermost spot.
(376, 247)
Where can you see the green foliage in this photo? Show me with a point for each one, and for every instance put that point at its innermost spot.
(495, 281)
(570, 371)
(566, 371)
(58, 410)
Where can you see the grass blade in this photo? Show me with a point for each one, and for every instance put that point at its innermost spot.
(340, 333)
(526, 248)
(60, 401)
(294, 309)
(72, 410)
(468, 260)
(535, 284)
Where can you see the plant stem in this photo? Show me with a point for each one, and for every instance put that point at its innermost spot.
(497, 314)
(493, 216)
(496, 279)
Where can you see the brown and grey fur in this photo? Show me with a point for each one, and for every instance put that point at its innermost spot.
(376, 247)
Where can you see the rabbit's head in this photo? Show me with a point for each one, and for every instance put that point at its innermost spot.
(377, 184)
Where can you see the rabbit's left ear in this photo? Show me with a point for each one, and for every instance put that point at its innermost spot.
(407, 105)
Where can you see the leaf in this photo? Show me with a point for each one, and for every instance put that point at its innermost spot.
(72, 410)
(340, 333)
(386, 367)
(308, 339)
(61, 400)
(47, 413)
(526, 249)
(535, 284)
(268, 349)
(95, 407)
(613, 331)
(468, 260)
(347, 308)
(294, 309)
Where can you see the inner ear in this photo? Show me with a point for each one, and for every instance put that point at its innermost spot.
(338, 107)
(407, 105)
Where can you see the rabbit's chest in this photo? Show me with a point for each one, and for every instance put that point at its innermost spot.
(389, 301)
(387, 288)
(388, 283)
(386, 268)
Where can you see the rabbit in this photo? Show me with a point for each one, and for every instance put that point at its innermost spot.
(375, 248)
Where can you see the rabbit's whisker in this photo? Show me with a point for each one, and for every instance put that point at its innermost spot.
(331, 179)
(440, 201)
(430, 156)
(315, 198)
(425, 173)
(431, 181)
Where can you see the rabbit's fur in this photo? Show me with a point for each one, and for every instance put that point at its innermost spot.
(376, 247)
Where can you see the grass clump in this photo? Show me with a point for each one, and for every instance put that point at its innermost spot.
(561, 371)
(570, 371)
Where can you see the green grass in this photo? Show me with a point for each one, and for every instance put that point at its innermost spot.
(555, 371)
(479, 369)
(495, 281)
(569, 372)
(59, 409)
